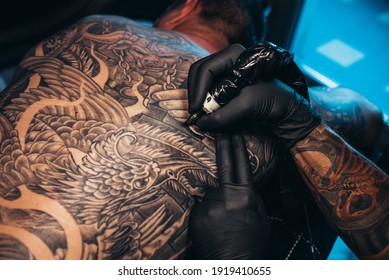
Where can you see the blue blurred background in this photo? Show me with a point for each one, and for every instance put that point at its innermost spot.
(347, 41)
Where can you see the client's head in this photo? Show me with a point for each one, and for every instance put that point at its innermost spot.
(228, 21)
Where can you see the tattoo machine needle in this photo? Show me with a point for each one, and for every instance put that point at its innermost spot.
(265, 60)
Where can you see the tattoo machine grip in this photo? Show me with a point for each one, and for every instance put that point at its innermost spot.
(264, 59)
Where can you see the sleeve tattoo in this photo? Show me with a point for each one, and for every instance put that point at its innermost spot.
(351, 191)
(94, 161)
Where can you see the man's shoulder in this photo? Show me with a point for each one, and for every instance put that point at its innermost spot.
(128, 32)
(117, 19)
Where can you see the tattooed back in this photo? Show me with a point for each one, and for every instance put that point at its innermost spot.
(94, 161)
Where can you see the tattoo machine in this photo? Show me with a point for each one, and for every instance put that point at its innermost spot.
(265, 60)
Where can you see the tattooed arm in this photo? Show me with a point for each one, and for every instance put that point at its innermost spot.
(349, 189)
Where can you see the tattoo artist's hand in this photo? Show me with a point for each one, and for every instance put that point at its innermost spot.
(230, 223)
(290, 116)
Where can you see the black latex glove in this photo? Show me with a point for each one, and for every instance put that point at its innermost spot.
(289, 114)
(230, 223)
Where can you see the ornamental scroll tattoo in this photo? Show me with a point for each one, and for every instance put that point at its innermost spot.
(94, 161)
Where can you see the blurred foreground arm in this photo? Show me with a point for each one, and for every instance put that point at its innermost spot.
(350, 190)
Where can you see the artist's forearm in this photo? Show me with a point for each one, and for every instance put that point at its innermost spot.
(350, 191)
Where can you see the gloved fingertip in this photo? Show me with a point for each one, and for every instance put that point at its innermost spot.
(194, 107)
(236, 48)
(191, 110)
(205, 124)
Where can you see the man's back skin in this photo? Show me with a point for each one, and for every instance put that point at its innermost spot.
(94, 160)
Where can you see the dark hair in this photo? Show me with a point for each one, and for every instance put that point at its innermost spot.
(240, 21)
